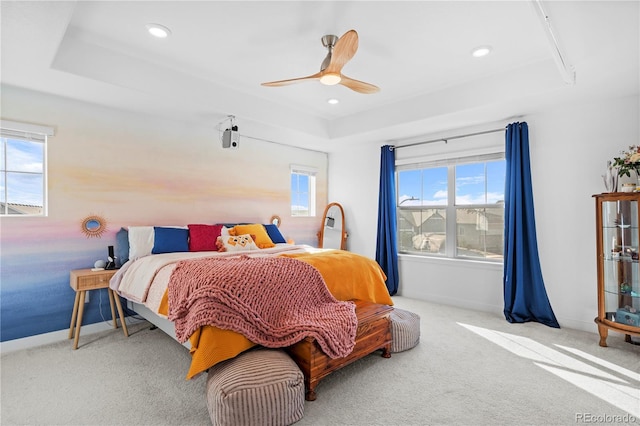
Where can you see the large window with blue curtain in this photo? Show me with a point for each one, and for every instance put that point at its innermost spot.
(452, 207)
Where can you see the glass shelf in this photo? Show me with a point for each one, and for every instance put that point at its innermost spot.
(621, 259)
(633, 294)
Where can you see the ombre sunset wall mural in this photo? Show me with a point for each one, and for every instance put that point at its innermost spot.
(131, 169)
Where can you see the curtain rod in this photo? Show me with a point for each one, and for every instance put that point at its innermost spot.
(446, 139)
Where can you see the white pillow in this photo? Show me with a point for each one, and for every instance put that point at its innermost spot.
(140, 241)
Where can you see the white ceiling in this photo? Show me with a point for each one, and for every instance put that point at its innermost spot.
(417, 52)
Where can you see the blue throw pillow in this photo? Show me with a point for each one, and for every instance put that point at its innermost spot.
(170, 240)
(274, 233)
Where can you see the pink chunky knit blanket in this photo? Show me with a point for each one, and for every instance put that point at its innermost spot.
(273, 301)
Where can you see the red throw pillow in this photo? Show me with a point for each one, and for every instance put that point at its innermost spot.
(203, 237)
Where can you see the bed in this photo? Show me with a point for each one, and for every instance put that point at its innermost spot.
(163, 272)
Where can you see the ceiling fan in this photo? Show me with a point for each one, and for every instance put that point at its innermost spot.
(341, 50)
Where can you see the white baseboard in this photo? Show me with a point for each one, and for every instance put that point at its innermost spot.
(53, 337)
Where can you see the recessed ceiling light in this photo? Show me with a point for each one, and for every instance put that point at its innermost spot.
(158, 30)
(481, 51)
(333, 101)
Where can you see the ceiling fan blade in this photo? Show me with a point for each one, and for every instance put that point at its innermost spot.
(343, 51)
(358, 86)
(315, 76)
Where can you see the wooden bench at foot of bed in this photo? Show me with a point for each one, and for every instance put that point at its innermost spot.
(373, 333)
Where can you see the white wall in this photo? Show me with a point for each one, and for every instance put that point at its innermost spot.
(356, 171)
(569, 150)
(569, 147)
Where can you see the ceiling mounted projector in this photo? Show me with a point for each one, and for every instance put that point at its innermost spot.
(231, 138)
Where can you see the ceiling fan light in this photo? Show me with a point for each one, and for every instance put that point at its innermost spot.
(330, 79)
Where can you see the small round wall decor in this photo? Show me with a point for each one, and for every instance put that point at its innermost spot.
(93, 226)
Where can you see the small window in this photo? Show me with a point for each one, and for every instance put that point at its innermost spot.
(303, 191)
(23, 179)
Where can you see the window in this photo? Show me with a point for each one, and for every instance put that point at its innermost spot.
(23, 169)
(453, 207)
(303, 191)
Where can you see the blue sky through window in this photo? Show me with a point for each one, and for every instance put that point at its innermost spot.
(299, 192)
(476, 183)
(22, 172)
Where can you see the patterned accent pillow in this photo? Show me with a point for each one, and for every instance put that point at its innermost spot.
(236, 243)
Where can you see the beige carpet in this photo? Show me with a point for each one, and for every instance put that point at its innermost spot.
(470, 368)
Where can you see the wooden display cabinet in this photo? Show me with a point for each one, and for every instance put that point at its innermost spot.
(618, 245)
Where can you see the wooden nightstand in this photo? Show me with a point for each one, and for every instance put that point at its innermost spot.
(82, 280)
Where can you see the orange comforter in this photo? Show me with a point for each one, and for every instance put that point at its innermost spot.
(348, 276)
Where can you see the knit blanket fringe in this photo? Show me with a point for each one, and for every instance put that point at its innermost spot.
(274, 302)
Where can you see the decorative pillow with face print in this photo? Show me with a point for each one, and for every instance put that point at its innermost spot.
(236, 243)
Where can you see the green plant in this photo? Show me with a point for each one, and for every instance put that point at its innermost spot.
(628, 161)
